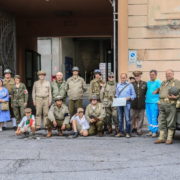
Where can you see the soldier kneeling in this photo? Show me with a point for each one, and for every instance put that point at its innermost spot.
(95, 114)
(58, 117)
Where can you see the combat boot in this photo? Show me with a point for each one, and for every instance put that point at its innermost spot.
(75, 135)
(161, 138)
(116, 129)
(49, 133)
(60, 132)
(100, 134)
(170, 136)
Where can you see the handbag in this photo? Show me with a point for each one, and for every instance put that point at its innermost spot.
(5, 106)
(120, 101)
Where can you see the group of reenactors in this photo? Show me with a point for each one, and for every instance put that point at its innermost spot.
(100, 116)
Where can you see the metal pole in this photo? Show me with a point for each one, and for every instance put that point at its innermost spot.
(114, 36)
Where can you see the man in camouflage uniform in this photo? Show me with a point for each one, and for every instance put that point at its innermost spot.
(138, 104)
(58, 87)
(42, 98)
(75, 88)
(167, 109)
(96, 84)
(106, 95)
(9, 84)
(58, 116)
(19, 98)
(95, 114)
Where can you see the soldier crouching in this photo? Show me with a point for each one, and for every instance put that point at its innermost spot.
(58, 117)
(95, 114)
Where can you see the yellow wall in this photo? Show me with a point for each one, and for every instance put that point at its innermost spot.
(154, 34)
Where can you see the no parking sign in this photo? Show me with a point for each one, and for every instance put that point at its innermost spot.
(132, 57)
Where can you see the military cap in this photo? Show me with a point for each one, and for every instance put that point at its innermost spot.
(94, 97)
(41, 73)
(75, 68)
(137, 73)
(110, 74)
(97, 71)
(7, 71)
(27, 110)
(17, 76)
(58, 98)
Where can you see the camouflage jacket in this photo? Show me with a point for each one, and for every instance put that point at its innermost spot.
(19, 95)
(9, 85)
(95, 87)
(108, 93)
(98, 111)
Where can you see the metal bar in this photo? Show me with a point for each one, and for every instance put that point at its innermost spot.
(114, 37)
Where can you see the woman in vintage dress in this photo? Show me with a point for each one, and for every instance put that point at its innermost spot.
(4, 97)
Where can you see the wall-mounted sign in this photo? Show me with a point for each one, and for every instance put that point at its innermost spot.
(132, 57)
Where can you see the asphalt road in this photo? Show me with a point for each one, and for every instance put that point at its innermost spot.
(90, 158)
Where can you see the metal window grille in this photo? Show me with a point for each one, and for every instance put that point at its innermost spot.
(7, 42)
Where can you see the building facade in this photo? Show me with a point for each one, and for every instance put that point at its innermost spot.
(147, 29)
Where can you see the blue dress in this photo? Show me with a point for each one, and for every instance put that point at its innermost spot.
(4, 115)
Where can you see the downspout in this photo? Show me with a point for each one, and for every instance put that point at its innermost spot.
(115, 19)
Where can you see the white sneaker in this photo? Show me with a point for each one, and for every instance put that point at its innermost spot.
(149, 134)
(154, 135)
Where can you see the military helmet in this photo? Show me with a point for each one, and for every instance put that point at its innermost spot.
(58, 98)
(7, 71)
(94, 97)
(75, 68)
(97, 71)
(111, 74)
(27, 110)
(41, 73)
(174, 91)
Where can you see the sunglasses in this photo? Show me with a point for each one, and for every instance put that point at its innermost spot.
(111, 76)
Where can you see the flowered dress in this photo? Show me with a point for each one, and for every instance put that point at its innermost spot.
(4, 115)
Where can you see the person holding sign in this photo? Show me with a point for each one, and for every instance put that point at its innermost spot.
(124, 94)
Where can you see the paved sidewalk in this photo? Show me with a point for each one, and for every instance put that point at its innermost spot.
(91, 158)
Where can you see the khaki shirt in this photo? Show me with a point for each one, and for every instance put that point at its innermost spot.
(107, 93)
(59, 114)
(58, 90)
(98, 112)
(19, 95)
(75, 88)
(165, 86)
(95, 87)
(42, 89)
(9, 84)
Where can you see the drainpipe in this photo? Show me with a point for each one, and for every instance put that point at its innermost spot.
(115, 19)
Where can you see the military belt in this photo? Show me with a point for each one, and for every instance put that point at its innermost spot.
(42, 97)
(167, 100)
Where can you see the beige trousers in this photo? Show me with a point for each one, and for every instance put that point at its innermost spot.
(42, 108)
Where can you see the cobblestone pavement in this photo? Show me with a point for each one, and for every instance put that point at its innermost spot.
(96, 158)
